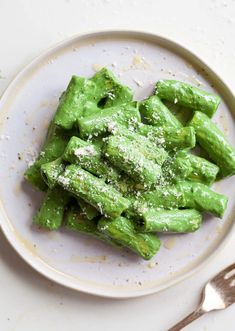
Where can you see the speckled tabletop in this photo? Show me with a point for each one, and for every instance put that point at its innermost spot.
(30, 301)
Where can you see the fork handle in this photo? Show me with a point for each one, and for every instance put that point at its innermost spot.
(187, 320)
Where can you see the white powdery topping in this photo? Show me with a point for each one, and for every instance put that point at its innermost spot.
(156, 116)
(105, 189)
(33, 155)
(50, 61)
(138, 82)
(111, 95)
(64, 181)
(99, 204)
(4, 137)
(97, 67)
(31, 162)
(131, 128)
(151, 265)
(85, 151)
(209, 98)
(47, 222)
(133, 121)
(104, 227)
(67, 172)
(161, 141)
(196, 81)
(112, 127)
(137, 60)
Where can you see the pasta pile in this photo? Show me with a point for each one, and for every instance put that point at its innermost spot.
(122, 171)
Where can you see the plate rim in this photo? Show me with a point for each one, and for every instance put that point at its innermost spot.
(43, 268)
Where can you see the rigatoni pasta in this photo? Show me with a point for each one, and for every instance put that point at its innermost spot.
(188, 96)
(214, 142)
(122, 171)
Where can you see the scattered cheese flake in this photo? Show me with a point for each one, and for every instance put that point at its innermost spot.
(170, 243)
(97, 67)
(4, 137)
(151, 265)
(137, 59)
(63, 180)
(138, 82)
(85, 151)
(114, 64)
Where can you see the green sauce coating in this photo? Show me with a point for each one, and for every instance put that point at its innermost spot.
(51, 212)
(183, 114)
(122, 152)
(89, 157)
(72, 102)
(187, 96)
(194, 168)
(139, 178)
(107, 200)
(87, 210)
(123, 231)
(53, 148)
(176, 220)
(143, 144)
(170, 138)
(162, 197)
(100, 122)
(215, 143)
(202, 198)
(156, 113)
(50, 171)
(82, 97)
(183, 194)
(113, 92)
(75, 220)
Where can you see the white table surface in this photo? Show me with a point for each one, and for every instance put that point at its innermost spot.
(30, 302)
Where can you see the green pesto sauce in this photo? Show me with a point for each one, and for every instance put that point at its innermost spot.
(121, 170)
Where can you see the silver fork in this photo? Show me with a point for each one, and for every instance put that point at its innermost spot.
(219, 293)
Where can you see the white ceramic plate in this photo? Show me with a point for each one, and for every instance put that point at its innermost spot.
(26, 108)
